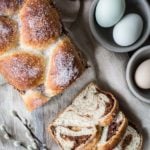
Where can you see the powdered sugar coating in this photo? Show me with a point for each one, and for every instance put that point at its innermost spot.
(9, 7)
(66, 68)
(23, 70)
(40, 24)
(4, 30)
(8, 34)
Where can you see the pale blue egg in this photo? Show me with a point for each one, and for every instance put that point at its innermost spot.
(109, 12)
(128, 30)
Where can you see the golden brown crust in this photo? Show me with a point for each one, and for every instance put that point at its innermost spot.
(34, 99)
(40, 24)
(22, 70)
(8, 34)
(8, 7)
(64, 67)
(108, 118)
(115, 139)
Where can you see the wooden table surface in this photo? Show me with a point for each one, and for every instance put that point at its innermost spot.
(106, 68)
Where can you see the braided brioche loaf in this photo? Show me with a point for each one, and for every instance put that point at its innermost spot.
(37, 57)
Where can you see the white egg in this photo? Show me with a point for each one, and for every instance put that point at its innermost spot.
(142, 75)
(128, 30)
(109, 12)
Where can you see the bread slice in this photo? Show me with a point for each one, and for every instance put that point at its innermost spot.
(79, 126)
(91, 107)
(99, 106)
(112, 134)
(132, 139)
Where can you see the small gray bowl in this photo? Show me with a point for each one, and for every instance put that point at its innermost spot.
(104, 35)
(139, 56)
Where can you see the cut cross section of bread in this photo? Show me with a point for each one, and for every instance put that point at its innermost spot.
(132, 139)
(79, 126)
(99, 106)
(94, 122)
(71, 137)
(91, 107)
(112, 134)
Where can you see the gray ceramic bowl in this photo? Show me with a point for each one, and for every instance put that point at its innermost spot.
(104, 35)
(141, 55)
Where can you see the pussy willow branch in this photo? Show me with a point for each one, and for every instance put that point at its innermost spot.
(8, 136)
(30, 135)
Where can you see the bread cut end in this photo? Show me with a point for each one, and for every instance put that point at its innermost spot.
(112, 134)
(132, 139)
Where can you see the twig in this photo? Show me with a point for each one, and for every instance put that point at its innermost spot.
(8, 136)
(37, 144)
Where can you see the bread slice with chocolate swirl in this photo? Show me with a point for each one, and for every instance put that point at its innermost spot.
(112, 134)
(97, 105)
(91, 107)
(132, 139)
(94, 122)
(79, 126)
